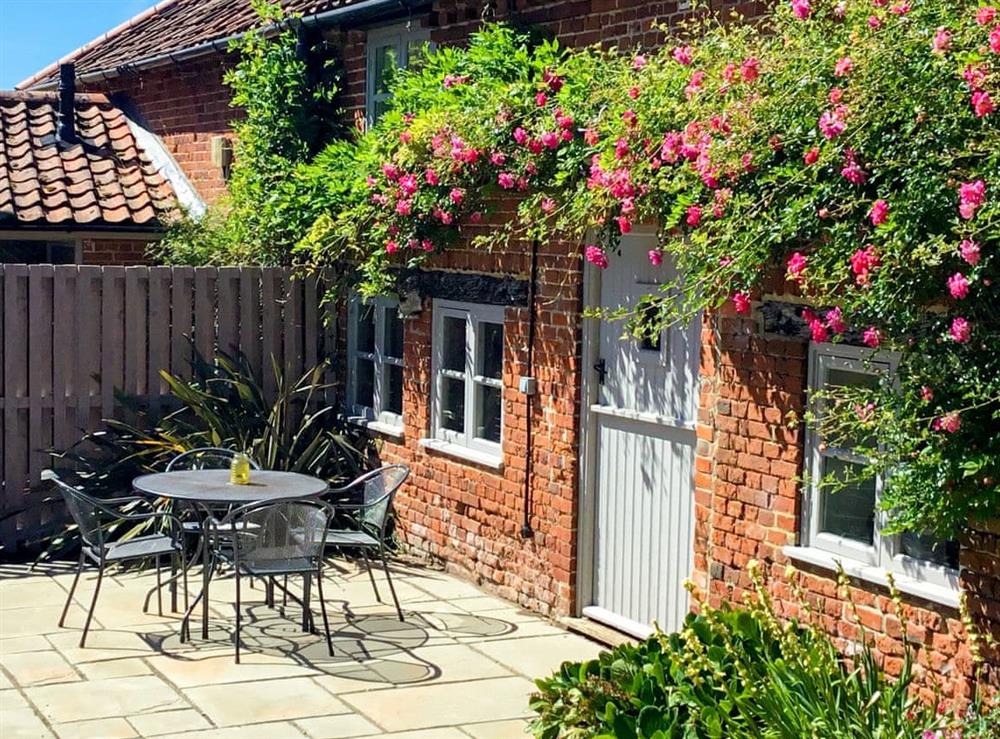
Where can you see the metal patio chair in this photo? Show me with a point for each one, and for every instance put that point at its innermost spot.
(92, 516)
(278, 538)
(371, 515)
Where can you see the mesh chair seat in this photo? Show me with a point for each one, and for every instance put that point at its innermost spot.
(141, 546)
(290, 566)
(350, 538)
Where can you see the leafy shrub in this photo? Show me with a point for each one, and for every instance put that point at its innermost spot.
(224, 404)
(732, 672)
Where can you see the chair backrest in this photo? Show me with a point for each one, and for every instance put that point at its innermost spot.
(273, 532)
(205, 458)
(85, 511)
(380, 488)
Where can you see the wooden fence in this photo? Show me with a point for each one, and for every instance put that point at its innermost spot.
(71, 336)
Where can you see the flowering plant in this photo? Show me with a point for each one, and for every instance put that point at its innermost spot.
(851, 145)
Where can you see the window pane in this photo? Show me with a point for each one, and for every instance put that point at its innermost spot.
(850, 511)
(488, 413)
(366, 329)
(393, 334)
(453, 343)
(850, 378)
(414, 53)
(927, 547)
(490, 350)
(385, 62)
(394, 389)
(365, 383)
(453, 404)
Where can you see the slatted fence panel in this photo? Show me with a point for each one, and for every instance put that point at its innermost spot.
(73, 336)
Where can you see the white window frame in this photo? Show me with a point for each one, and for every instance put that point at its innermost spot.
(398, 35)
(473, 314)
(381, 361)
(885, 554)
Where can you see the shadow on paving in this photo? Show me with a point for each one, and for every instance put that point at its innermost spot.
(371, 648)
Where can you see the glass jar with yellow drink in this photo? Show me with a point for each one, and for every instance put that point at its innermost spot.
(239, 470)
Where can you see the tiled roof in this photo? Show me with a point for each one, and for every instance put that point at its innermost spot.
(168, 27)
(105, 180)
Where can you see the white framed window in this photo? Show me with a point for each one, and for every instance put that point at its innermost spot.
(467, 393)
(375, 361)
(389, 47)
(847, 523)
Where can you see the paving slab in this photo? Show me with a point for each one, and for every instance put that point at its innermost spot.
(28, 643)
(39, 668)
(497, 730)
(18, 720)
(274, 730)
(264, 700)
(337, 727)
(90, 699)
(424, 707)
(102, 728)
(539, 656)
(35, 620)
(168, 722)
(124, 667)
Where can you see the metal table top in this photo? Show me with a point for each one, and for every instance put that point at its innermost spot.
(213, 486)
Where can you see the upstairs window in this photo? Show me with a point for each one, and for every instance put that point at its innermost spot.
(467, 396)
(847, 522)
(389, 48)
(375, 357)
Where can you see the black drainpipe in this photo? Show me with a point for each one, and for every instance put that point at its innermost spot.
(526, 531)
(66, 133)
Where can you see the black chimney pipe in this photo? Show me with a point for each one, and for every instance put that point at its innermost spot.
(67, 102)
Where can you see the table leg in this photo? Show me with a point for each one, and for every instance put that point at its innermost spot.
(206, 578)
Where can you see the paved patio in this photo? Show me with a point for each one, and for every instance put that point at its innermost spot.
(461, 665)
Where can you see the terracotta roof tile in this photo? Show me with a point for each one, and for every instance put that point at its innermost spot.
(105, 177)
(171, 26)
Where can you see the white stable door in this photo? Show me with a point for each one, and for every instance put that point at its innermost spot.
(639, 455)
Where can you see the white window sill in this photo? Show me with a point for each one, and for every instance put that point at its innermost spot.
(943, 594)
(458, 451)
(386, 429)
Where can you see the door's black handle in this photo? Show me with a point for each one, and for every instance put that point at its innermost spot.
(602, 370)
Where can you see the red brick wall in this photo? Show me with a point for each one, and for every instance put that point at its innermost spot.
(115, 251)
(748, 507)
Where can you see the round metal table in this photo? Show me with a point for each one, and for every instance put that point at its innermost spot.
(202, 489)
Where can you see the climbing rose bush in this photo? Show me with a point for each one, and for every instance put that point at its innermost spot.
(849, 146)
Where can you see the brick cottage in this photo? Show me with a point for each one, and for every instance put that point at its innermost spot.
(558, 465)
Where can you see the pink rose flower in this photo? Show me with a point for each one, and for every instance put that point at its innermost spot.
(550, 139)
(796, 266)
(403, 207)
(591, 138)
(639, 62)
(802, 9)
(683, 55)
(982, 103)
(693, 215)
(995, 40)
(958, 286)
(506, 180)
(520, 135)
(942, 41)
(863, 263)
(741, 302)
(817, 328)
(541, 99)
(535, 146)
(431, 177)
(391, 247)
(843, 66)
(949, 423)
(565, 121)
(961, 330)
(655, 257)
(476, 217)
(596, 256)
(750, 69)
(836, 95)
(853, 171)
(408, 185)
(879, 212)
(874, 22)
(548, 205)
(971, 196)
(390, 171)
(624, 224)
(831, 122)
(901, 8)
(986, 15)
(554, 81)
(835, 320)
(872, 337)
(970, 251)
(926, 394)
(457, 195)
(811, 156)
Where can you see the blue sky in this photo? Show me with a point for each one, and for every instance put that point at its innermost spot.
(34, 33)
